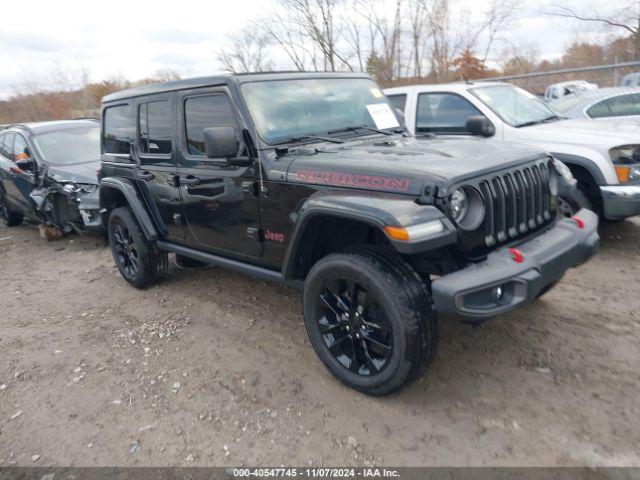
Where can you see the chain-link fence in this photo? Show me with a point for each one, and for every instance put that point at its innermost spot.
(602, 75)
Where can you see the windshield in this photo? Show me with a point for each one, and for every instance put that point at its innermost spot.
(286, 109)
(514, 105)
(69, 146)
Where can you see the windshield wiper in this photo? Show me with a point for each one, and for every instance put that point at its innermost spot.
(355, 129)
(302, 138)
(536, 122)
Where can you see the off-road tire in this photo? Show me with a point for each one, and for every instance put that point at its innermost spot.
(591, 192)
(152, 263)
(406, 301)
(574, 199)
(8, 217)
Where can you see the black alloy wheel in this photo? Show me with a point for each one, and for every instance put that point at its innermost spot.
(370, 319)
(139, 261)
(354, 327)
(125, 250)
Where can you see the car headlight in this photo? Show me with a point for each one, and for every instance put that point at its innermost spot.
(467, 208)
(626, 161)
(458, 204)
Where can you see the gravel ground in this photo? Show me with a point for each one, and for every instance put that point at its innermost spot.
(214, 368)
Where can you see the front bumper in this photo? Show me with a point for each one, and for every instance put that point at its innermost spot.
(620, 201)
(472, 293)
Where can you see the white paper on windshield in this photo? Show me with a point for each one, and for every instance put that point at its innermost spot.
(382, 115)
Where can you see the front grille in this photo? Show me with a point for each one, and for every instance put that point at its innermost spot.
(517, 201)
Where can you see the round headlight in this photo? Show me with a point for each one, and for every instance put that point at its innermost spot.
(467, 208)
(458, 204)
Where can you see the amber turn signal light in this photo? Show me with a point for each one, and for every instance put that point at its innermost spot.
(623, 173)
(397, 233)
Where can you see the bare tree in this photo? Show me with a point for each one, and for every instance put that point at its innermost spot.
(417, 22)
(385, 35)
(316, 20)
(437, 25)
(354, 36)
(494, 20)
(293, 42)
(625, 19)
(246, 52)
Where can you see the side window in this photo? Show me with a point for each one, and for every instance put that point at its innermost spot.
(20, 149)
(600, 109)
(398, 101)
(443, 112)
(6, 145)
(155, 127)
(119, 129)
(204, 112)
(623, 105)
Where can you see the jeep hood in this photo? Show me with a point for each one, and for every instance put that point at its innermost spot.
(77, 173)
(403, 164)
(605, 133)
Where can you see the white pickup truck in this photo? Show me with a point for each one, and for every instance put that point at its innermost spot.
(603, 155)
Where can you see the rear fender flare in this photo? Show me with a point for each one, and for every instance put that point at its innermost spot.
(134, 201)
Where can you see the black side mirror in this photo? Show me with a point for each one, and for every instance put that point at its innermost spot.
(480, 125)
(220, 142)
(26, 164)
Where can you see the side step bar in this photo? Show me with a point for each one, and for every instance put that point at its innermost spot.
(242, 267)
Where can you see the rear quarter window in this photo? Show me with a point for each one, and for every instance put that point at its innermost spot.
(119, 129)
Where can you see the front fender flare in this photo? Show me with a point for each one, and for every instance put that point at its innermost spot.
(134, 200)
(587, 163)
(376, 210)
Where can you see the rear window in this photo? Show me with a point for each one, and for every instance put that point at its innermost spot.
(119, 129)
(398, 101)
(443, 112)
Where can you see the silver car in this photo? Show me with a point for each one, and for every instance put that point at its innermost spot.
(601, 103)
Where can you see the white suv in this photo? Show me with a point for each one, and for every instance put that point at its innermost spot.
(603, 155)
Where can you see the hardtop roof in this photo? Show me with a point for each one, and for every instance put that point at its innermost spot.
(201, 82)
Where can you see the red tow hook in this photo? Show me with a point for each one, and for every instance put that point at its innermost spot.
(579, 222)
(518, 257)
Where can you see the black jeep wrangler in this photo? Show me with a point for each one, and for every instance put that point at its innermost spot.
(310, 179)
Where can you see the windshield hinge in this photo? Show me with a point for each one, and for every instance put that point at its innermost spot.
(429, 195)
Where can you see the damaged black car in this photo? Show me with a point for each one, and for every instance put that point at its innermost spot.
(48, 174)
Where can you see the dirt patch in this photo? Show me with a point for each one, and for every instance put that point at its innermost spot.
(214, 368)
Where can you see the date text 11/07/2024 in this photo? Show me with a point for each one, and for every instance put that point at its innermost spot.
(315, 473)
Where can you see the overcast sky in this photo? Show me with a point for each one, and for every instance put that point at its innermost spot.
(135, 38)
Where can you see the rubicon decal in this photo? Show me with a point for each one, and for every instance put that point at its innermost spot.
(353, 180)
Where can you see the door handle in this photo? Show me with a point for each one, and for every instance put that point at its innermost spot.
(146, 176)
(189, 181)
